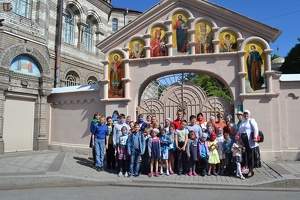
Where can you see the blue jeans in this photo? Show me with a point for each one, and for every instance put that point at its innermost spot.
(99, 147)
(135, 162)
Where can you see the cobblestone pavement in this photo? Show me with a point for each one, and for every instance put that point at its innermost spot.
(70, 167)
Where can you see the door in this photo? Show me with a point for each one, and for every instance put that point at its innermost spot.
(18, 125)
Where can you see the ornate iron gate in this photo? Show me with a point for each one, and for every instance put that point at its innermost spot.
(164, 96)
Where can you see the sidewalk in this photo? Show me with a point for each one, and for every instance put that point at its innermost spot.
(56, 169)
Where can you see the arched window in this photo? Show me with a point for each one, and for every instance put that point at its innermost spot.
(72, 79)
(23, 8)
(92, 80)
(69, 27)
(88, 36)
(114, 24)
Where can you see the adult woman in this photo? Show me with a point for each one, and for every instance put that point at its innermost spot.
(252, 148)
(168, 122)
(201, 121)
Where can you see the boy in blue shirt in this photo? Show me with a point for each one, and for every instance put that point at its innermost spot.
(136, 148)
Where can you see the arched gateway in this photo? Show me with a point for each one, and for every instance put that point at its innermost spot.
(190, 37)
(174, 37)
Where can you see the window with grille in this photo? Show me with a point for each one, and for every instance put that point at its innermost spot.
(114, 24)
(72, 79)
(92, 80)
(69, 27)
(23, 8)
(88, 36)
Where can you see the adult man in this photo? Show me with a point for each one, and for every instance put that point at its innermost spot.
(177, 121)
(100, 142)
(193, 126)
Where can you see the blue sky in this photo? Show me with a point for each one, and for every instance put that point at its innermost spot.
(283, 15)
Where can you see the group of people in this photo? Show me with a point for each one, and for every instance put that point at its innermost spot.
(213, 147)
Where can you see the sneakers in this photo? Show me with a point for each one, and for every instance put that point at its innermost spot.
(179, 173)
(190, 173)
(120, 174)
(171, 171)
(150, 174)
(161, 173)
(126, 174)
(129, 175)
(244, 169)
(242, 177)
(98, 169)
(215, 174)
(167, 174)
(136, 175)
(208, 174)
(194, 174)
(156, 174)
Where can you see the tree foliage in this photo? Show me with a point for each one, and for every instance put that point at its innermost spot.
(210, 85)
(292, 61)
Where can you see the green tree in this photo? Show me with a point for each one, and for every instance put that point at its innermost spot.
(212, 86)
(274, 56)
(292, 61)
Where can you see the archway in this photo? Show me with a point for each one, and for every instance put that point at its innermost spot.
(163, 96)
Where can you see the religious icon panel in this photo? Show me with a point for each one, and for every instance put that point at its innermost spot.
(137, 49)
(254, 62)
(25, 65)
(228, 42)
(158, 42)
(204, 37)
(116, 73)
(180, 33)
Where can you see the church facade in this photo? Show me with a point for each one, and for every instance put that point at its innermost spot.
(42, 47)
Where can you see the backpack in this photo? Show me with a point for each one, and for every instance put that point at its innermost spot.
(260, 137)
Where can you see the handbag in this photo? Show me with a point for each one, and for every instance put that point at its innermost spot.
(260, 137)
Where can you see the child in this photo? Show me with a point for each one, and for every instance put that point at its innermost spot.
(145, 156)
(181, 140)
(122, 152)
(111, 158)
(154, 152)
(227, 145)
(220, 139)
(213, 158)
(237, 149)
(191, 150)
(203, 153)
(209, 130)
(164, 144)
(135, 148)
(156, 125)
(172, 150)
(131, 125)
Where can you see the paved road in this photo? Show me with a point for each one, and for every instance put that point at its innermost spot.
(55, 169)
(143, 193)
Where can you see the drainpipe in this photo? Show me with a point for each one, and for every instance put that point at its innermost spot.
(58, 43)
(125, 16)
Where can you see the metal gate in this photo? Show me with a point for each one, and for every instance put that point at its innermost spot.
(164, 96)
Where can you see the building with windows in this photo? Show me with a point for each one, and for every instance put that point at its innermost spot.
(41, 47)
